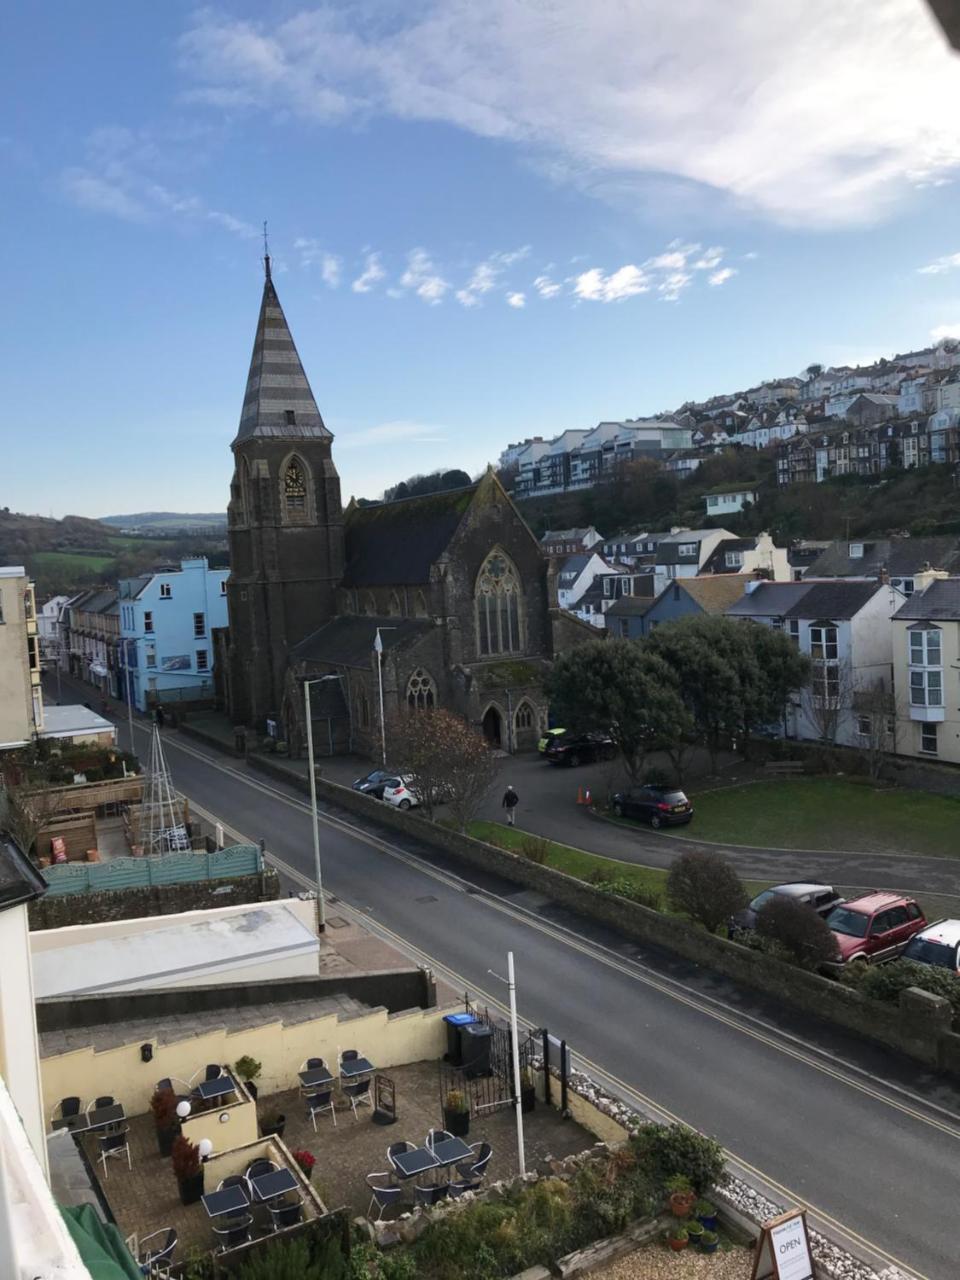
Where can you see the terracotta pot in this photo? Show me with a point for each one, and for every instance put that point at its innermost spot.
(93, 855)
(681, 1202)
(677, 1245)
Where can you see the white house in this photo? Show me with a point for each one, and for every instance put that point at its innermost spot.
(725, 502)
(48, 626)
(576, 574)
(682, 553)
(753, 555)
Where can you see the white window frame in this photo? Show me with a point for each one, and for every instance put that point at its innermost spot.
(205, 655)
(925, 653)
(928, 731)
(820, 639)
(148, 622)
(733, 559)
(150, 653)
(166, 591)
(926, 687)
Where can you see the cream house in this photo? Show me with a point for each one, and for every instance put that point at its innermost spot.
(926, 666)
(21, 702)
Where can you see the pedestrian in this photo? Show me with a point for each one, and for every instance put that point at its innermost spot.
(510, 802)
(159, 716)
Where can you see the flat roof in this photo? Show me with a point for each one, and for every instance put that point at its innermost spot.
(66, 722)
(20, 881)
(12, 571)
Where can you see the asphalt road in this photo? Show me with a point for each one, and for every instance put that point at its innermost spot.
(868, 1140)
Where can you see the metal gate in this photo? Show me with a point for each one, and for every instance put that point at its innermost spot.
(494, 1090)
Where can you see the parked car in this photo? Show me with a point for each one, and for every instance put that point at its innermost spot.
(660, 806)
(373, 783)
(580, 748)
(875, 927)
(938, 944)
(399, 792)
(549, 735)
(821, 897)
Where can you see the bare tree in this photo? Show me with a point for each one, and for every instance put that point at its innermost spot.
(446, 760)
(875, 709)
(828, 698)
(25, 810)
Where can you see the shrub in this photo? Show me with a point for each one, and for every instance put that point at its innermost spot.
(886, 981)
(625, 888)
(803, 934)
(186, 1158)
(706, 888)
(163, 1104)
(657, 778)
(669, 1150)
(535, 848)
(247, 1068)
(298, 1259)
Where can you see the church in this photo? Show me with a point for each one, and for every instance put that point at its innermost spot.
(438, 601)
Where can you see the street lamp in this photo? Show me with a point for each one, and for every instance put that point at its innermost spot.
(321, 909)
(511, 983)
(378, 650)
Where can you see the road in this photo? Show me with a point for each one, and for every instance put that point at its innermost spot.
(831, 1122)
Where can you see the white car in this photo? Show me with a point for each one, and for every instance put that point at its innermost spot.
(397, 791)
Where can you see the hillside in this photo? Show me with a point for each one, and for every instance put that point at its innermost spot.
(167, 522)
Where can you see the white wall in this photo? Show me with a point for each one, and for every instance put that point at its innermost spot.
(19, 1050)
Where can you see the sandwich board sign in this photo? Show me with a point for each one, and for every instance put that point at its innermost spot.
(783, 1250)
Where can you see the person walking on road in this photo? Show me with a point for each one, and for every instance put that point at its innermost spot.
(510, 802)
(159, 716)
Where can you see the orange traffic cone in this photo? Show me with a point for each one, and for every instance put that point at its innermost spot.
(579, 795)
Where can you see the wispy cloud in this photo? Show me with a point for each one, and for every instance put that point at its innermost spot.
(516, 300)
(546, 287)
(400, 432)
(785, 110)
(487, 276)
(97, 194)
(944, 331)
(370, 276)
(423, 278)
(594, 286)
(668, 274)
(722, 276)
(949, 262)
(313, 254)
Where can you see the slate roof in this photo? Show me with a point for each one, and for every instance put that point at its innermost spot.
(900, 556)
(769, 600)
(277, 382)
(574, 565)
(630, 607)
(348, 641)
(393, 544)
(833, 600)
(941, 600)
(567, 535)
(715, 562)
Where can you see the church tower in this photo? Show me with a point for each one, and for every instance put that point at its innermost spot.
(285, 521)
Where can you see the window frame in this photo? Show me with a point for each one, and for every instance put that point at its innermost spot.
(166, 591)
(205, 655)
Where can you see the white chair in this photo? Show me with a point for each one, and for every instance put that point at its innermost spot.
(317, 1103)
(114, 1144)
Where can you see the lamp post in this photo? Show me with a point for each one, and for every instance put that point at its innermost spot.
(511, 982)
(378, 650)
(315, 817)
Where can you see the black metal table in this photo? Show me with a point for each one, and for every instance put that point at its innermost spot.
(357, 1067)
(276, 1183)
(229, 1200)
(450, 1150)
(315, 1077)
(218, 1088)
(409, 1163)
(99, 1118)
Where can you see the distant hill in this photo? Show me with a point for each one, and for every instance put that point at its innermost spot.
(167, 522)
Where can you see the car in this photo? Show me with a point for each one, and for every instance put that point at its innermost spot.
(373, 783)
(874, 928)
(549, 735)
(938, 944)
(660, 806)
(580, 748)
(821, 897)
(397, 791)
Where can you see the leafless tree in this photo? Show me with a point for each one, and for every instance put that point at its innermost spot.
(875, 709)
(828, 698)
(26, 810)
(446, 760)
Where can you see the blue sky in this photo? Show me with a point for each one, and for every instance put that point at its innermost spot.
(487, 221)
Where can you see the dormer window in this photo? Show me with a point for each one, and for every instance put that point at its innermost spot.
(687, 549)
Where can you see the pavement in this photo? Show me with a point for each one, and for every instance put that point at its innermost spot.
(808, 1112)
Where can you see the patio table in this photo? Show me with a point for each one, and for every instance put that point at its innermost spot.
(450, 1150)
(219, 1088)
(229, 1200)
(409, 1163)
(357, 1067)
(276, 1183)
(315, 1077)
(99, 1118)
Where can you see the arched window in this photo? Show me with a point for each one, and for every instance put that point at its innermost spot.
(393, 606)
(363, 709)
(347, 601)
(421, 691)
(420, 605)
(368, 604)
(524, 717)
(294, 493)
(498, 606)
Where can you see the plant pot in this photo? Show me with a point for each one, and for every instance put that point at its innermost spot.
(528, 1099)
(191, 1189)
(274, 1130)
(165, 1138)
(694, 1232)
(708, 1221)
(681, 1202)
(709, 1246)
(677, 1245)
(456, 1122)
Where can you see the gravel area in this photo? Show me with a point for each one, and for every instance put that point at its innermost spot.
(656, 1262)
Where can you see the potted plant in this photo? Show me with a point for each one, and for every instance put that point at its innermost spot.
(706, 1214)
(456, 1114)
(248, 1069)
(709, 1241)
(694, 1231)
(681, 1194)
(676, 1238)
(306, 1161)
(188, 1170)
(163, 1104)
(273, 1125)
(528, 1091)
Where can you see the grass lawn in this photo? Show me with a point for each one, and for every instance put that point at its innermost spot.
(67, 560)
(829, 814)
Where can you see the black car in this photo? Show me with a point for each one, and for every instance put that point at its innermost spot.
(373, 783)
(821, 897)
(660, 806)
(580, 748)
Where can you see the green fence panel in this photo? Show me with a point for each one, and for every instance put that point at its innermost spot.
(164, 868)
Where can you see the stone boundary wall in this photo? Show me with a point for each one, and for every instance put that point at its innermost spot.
(925, 1039)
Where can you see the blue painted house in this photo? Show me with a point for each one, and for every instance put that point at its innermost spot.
(715, 593)
(166, 624)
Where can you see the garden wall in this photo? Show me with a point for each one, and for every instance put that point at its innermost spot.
(808, 992)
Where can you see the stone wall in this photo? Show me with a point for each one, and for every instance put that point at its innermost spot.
(153, 900)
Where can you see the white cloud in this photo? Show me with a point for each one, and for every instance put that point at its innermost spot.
(401, 432)
(721, 276)
(668, 274)
(313, 254)
(423, 278)
(370, 276)
(516, 300)
(948, 262)
(487, 275)
(785, 109)
(943, 331)
(100, 196)
(594, 286)
(546, 287)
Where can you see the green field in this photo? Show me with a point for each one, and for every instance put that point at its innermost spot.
(66, 561)
(829, 814)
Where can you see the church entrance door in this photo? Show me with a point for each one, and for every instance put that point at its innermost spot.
(493, 726)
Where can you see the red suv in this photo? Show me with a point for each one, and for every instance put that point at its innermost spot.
(875, 927)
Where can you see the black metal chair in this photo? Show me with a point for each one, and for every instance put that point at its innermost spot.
(235, 1233)
(358, 1095)
(235, 1180)
(473, 1170)
(68, 1109)
(105, 1100)
(424, 1196)
(456, 1189)
(159, 1254)
(257, 1168)
(287, 1214)
(317, 1103)
(384, 1193)
(398, 1149)
(212, 1071)
(313, 1064)
(437, 1135)
(349, 1055)
(114, 1144)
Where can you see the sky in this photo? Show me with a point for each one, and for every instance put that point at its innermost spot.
(487, 221)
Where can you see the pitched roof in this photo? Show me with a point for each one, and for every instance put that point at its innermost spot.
(769, 599)
(277, 385)
(715, 563)
(567, 535)
(395, 543)
(713, 594)
(348, 641)
(899, 556)
(630, 607)
(575, 564)
(833, 599)
(940, 600)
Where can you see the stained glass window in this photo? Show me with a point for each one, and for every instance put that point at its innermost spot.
(498, 606)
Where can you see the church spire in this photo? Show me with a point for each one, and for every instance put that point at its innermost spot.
(278, 403)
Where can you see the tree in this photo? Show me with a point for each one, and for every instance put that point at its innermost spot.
(25, 810)
(876, 711)
(446, 760)
(798, 929)
(706, 888)
(828, 698)
(615, 685)
(813, 370)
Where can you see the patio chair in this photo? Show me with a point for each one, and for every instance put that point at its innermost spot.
(473, 1170)
(235, 1180)
(235, 1233)
(437, 1135)
(398, 1149)
(425, 1195)
(313, 1064)
(349, 1055)
(358, 1095)
(257, 1168)
(212, 1071)
(114, 1144)
(456, 1189)
(161, 1252)
(286, 1215)
(317, 1103)
(66, 1109)
(384, 1193)
(105, 1100)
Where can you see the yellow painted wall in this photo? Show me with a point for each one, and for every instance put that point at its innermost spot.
(584, 1113)
(231, 1163)
(228, 1126)
(948, 730)
(387, 1040)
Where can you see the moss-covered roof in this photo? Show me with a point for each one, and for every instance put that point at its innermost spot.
(394, 543)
